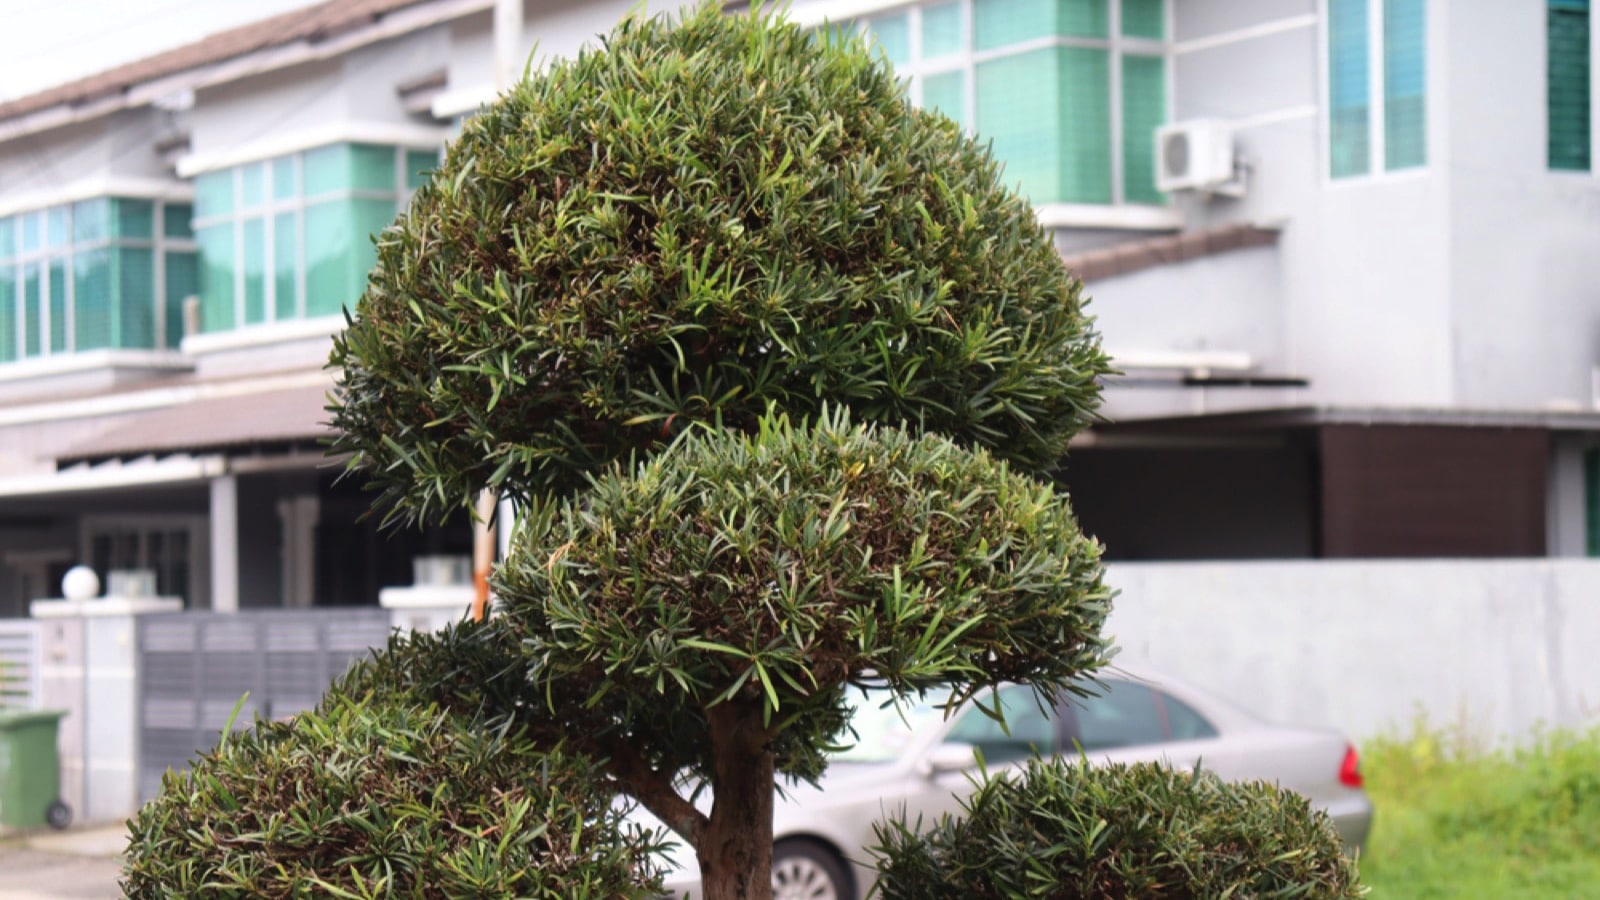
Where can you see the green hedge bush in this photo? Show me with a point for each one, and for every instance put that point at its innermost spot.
(1063, 830)
(374, 794)
(698, 220)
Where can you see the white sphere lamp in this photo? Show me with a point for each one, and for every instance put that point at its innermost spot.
(80, 583)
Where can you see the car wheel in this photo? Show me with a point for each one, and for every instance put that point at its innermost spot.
(806, 870)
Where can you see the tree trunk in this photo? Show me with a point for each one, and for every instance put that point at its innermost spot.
(736, 852)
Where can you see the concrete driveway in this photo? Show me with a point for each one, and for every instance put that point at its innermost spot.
(79, 864)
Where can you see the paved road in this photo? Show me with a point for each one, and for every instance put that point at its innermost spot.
(75, 865)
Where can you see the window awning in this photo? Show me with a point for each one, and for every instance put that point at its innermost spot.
(263, 422)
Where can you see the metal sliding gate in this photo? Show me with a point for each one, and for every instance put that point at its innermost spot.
(194, 667)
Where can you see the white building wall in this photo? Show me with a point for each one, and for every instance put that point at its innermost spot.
(1498, 647)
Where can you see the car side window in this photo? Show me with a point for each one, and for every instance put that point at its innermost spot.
(1032, 730)
(1123, 714)
(1184, 722)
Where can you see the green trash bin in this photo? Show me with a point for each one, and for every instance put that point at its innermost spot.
(30, 770)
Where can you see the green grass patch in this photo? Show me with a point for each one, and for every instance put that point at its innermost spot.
(1459, 818)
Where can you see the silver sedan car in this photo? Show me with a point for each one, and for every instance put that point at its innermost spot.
(913, 760)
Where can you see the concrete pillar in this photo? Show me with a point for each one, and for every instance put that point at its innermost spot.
(225, 543)
(90, 670)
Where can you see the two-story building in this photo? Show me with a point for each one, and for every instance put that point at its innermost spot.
(1340, 250)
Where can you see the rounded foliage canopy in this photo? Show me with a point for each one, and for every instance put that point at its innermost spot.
(1071, 831)
(774, 569)
(698, 220)
(380, 793)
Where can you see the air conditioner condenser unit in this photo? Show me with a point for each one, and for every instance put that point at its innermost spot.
(1197, 155)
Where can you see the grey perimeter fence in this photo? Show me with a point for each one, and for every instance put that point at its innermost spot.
(193, 668)
(19, 664)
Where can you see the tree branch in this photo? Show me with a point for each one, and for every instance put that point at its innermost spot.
(655, 792)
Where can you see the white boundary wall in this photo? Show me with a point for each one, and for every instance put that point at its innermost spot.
(1498, 647)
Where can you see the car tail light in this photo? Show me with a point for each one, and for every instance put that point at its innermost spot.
(1350, 769)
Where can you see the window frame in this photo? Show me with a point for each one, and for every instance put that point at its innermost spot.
(1118, 46)
(1377, 99)
(159, 244)
(1594, 95)
(295, 203)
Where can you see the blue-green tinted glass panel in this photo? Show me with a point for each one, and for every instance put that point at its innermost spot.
(329, 252)
(419, 167)
(8, 313)
(1144, 109)
(58, 303)
(177, 221)
(32, 309)
(326, 170)
(946, 92)
(1349, 88)
(216, 278)
(135, 219)
(285, 266)
(254, 264)
(1019, 110)
(136, 291)
(93, 321)
(183, 281)
(32, 231)
(1405, 142)
(372, 168)
(1567, 94)
(943, 31)
(252, 185)
(997, 23)
(91, 220)
(1085, 125)
(56, 226)
(213, 194)
(8, 238)
(892, 34)
(283, 178)
(1144, 19)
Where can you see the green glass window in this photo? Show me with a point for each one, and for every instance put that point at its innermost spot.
(136, 308)
(285, 266)
(56, 226)
(31, 231)
(252, 185)
(302, 237)
(58, 301)
(1144, 108)
(947, 93)
(8, 312)
(1349, 94)
(1144, 19)
(32, 309)
(1404, 108)
(177, 221)
(91, 220)
(216, 277)
(284, 183)
(213, 194)
(943, 31)
(893, 36)
(997, 23)
(1567, 85)
(92, 299)
(8, 238)
(182, 282)
(419, 167)
(254, 264)
(135, 218)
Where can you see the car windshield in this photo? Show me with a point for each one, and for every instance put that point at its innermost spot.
(883, 728)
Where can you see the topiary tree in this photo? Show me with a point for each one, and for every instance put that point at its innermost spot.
(1072, 832)
(696, 221)
(380, 793)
